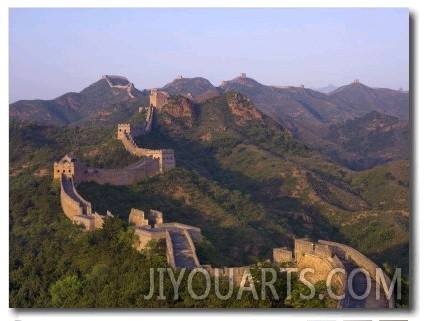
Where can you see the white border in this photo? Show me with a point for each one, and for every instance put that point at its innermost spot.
(421, 176)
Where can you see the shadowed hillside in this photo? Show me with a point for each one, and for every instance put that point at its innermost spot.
(96, 101)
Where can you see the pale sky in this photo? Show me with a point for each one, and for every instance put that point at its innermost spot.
(54, 51)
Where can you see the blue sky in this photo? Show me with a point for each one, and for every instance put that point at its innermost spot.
(53, 51)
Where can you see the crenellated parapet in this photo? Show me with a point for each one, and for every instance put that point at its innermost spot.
(127, 132)
(165, 157)
(179, 238)
(119, 82)
(335, 262)
(76, 208)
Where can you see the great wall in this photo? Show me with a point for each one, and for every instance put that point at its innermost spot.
(119, 82)
(323, 257)
(70, 171)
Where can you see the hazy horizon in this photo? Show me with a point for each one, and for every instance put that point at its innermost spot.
(54, 51)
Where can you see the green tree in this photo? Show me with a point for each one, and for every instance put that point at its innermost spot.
(66, 292)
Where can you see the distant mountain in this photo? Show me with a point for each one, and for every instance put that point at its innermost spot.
(367, 141)
(198, 88)
(298, 103)
(97, 100)
(305, 111)
(288, 103)
(363, 99)
(326, 89)
(308, 114)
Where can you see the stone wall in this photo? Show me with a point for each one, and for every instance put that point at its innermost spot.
(149, 120)
(166, 157)
(137, 217)
(358, 258)
(69, 206)
(121, 176)
(77, 208)
(325, 256)
(322, 266)
(340, 279)
(139, 171)
(70, 170)
(133, 130)
(193, 248)
(87, 221)
(231, 273)
(155, 218)
(282, 255)
(322, 250)
(71, 201)
(303, 246)
(169, 250)
(146, 235)
(127, 132)
(158, 98)
(194, 232)
(116, 81)
(160, 231)
(98, 220)
(119, 82)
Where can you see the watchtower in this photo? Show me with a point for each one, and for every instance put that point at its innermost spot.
(68, 165)
(122, 130)
(158, 98)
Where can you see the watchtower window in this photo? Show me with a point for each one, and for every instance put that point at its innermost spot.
(63, 170)
(69, 171)
(120, 129)
(58, 171)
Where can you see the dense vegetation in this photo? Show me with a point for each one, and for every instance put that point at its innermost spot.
(370, 140)
(53, 264)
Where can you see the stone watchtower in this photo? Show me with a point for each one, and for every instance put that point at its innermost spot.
(68, 166)
(122, 130)
(158, 98)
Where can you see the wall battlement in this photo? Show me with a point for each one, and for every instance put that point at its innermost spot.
(119, 82)
(127, 132)
(70, 170)
(71, 167)
(76, 208)
(324, 257)
(180, 249)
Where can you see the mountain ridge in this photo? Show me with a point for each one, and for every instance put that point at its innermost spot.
(70, 107)
(308, 114)
(280, 102)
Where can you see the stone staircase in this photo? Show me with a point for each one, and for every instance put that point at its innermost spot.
(182, 250)
(358, 285)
